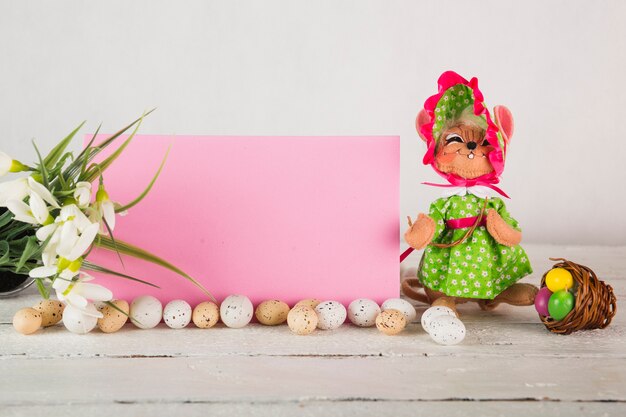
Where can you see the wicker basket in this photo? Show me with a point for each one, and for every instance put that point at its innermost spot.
(595, 303)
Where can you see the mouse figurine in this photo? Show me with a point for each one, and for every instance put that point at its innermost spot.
(471, 242)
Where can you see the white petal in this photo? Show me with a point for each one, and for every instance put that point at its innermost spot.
(76, 215)
(49, 255)
(91, 310)
(82, 193)
(95, 292)
(44, 232)
(68, 239)
(43, 192)
(61, 284)
(21, 211)
(38, 208)
(83, 243)
(76, 299)
(108, 210)
(43, 272)
(13, 190)
(5, 163)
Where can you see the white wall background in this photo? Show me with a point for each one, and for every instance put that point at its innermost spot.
(340, 67)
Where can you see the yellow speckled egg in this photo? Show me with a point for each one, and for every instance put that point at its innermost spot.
(205, 315)
(391, 322)
(302, 319)
(51, 311)
(27, 320)
(272, 312)
(112, 319)
(310, 302)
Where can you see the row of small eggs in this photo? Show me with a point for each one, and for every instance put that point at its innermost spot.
(236, 312)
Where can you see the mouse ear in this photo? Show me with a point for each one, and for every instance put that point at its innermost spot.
(504, 121)
(421, 120)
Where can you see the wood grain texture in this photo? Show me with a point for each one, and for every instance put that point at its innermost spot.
(508, 364)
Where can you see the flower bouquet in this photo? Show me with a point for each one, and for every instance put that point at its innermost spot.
(57, 211)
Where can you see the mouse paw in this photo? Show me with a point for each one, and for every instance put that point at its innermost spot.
(501, 231)
(421, 232)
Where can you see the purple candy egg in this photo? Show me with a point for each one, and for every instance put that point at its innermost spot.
(541, 301)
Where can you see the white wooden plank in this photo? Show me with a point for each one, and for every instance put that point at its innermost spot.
(485, 339)
(275, 378)
(349, 408)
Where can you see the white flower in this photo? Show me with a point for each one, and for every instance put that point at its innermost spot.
(73, 242)
(103, 211)
(82, 193)
(8, 164)
(43, 192)
(13, 190)
(77, 292)
(35, 212)
(64, 268)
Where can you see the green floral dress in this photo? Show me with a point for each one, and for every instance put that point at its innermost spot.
(477, 268)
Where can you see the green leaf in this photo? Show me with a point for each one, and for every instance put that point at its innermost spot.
(148, 188)
(5, 218)
(6, 256)
(43, 290)
(126, 248)
(55, 154)
(42, 167)
(30, 250)
(93, 267)
(95, 170)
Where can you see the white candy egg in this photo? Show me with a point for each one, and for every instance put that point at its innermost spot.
(402, 306)
(146, 312)
(447, 330)
(363, 312)
(236, 311)
(331, 315)
(79, 321)
(177, 314)
(434, 312)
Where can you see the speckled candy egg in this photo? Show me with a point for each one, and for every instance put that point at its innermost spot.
(146, 312)
(27, 320)
(236, 311)
(434, 312)
(363, 312)
(177, 314)
(330, 314)
(391, 322)
(401, 305)
(80, 321)
(302, 320)
(447, 330)
(272, 312)
(310, 302)
(51, 311)
(206, 315)
(112, 318)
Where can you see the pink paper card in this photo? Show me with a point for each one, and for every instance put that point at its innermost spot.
(268, 217)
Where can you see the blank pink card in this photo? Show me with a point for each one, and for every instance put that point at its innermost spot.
(268, 217)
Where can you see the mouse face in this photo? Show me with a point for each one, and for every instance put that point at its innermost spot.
(463, 151)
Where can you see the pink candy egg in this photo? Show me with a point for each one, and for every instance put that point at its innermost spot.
(541, 301)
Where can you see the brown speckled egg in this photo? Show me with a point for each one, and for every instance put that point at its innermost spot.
(391, 322)
(302, 319)
(272, 312)
(51, 311)
(113, 319)
(310, 302)
(205, 315)
(27, 320)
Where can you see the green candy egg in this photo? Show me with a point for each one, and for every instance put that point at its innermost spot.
(560, 304)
